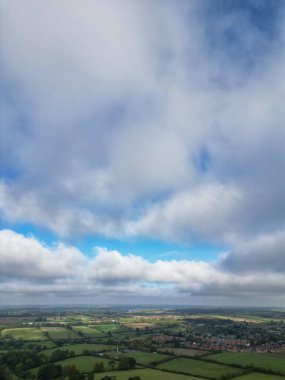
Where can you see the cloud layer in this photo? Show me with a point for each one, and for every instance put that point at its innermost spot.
(28, 268)
(161, 120)
(123, 114)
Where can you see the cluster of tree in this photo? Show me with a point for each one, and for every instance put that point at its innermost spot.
(61, 354)
(54, 371)
(126, 363)
(99, 367)
(21, 360)
(115, 378)
(4, 373)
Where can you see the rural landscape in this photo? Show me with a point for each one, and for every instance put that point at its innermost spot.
(142, 190)
(124, 343)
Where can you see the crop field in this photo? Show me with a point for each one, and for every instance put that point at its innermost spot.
(259, 376)
(199, 368)
(147, 374)
(191, 352)
(79, 348)
(107, 327)
(25, 333)
(144, 357)
(260, 360)
(139, 326)
(84, 363)
(86, 331)
(59, 333)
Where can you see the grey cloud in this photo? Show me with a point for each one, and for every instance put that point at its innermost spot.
(264, 254)
(108, 112)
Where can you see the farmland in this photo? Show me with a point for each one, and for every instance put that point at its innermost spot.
(199, 367)
(107, 327)
(176, 344)
(145, 358)
(78, 349)
(25, 333)
(86, 330)
(259, 376)
(84, 363)
(149, 374)
(59, 333)
(262, 360)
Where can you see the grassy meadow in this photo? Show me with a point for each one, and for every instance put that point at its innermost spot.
(258, 360)
(60, 333)
(24, 333)
(199, 368)
(147, 374)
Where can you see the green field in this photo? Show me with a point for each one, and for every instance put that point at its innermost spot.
(25, 333)
(259, 360)
(82, 363)
(86, 331)
(145, 358)
(79, 348)
(85, 363)
(185, 352)
(47, 344)
(60, 333)
(146, 374)
(259, 376)
(44, 344)
(199, 368)
(107, 327)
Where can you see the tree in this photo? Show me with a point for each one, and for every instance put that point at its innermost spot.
(112, 364)
(99, 367)
(48, 372)
(126, 363)
(90, 376)
(4, 373)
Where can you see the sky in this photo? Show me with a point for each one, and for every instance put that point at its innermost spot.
(142, 152)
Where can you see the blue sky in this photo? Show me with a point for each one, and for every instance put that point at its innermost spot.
(143, 144)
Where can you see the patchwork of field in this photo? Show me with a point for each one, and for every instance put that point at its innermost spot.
(135, 336)
(60, 333)
(146, 374)
(259, 376)
(86, 331)
(185, 352)
(199, 368)
(236, 318)
(25, 333)
(259, 360)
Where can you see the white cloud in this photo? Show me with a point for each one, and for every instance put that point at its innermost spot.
(28, 267)
(135, 119)
(204, 211)
(26, 257)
